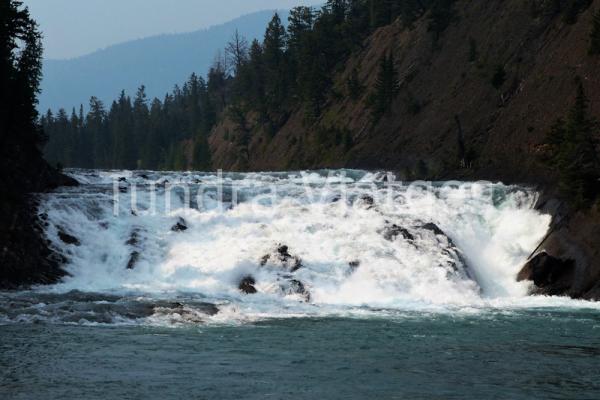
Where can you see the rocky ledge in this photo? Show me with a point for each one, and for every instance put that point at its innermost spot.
(567, 262)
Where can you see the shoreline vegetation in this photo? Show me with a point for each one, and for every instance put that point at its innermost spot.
(436, 89)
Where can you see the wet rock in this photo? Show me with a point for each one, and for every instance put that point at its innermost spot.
(286, 258)
(122, 179)
(551, 275)
(367, 201)
(247, 285)
(133, 239)
(391, 233)
(180, 226)
(295, 287)
(457, 263)
(65, 180)
(282, 255)
(144, 176)
(133, 259)
(103, 225)
(68, 239)
(264, 260)
(185, 309)
(206, 308)
(433, 228)
(354, 265)
(122, 189)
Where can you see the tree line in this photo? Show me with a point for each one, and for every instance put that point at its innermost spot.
(291, 68)
(20, 75)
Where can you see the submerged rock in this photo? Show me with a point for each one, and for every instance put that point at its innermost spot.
(433, 228)
(550, 275)
(68, 239)
(133, 259)
(457, 262)
(282, 256)
(391, 233)
(247, 285)
(367, 201)
(180, 226)
(354, 265)
(133, 238)
(298, 288)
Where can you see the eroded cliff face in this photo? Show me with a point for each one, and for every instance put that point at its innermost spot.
(446, 94)
(450, 119)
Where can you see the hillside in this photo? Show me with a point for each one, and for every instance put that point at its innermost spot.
(157, 62)
(419, 136)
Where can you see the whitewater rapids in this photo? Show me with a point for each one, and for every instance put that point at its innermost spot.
(363, 245)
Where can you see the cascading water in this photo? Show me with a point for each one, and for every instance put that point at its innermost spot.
(203, 247)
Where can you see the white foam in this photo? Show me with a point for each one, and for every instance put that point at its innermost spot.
(225, 244)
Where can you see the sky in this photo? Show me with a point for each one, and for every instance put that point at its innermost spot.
(73, 28)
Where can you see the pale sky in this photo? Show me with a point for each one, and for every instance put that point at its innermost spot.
(76, 27)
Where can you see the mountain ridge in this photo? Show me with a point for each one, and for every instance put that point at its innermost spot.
(159, 62)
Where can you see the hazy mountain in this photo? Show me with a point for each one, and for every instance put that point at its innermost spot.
(159, 62)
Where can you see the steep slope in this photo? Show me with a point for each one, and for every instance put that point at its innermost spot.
(442, 89)
(456, 116)
(158, 62)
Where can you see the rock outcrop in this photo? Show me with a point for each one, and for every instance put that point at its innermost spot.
(568, 262)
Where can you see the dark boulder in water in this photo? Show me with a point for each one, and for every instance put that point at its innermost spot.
(180, 226)
(551, 275)
(457, 262)
(133, 259)
(185, 309)
(68, 239)
(282, 256)
(298, 287)
(367, 201)
(247, 285)
(122, 179)
(433, 228)
(287, 258)
(354, 265)
(162, 184)
(391, 233)
(133, 238)
(295, 287)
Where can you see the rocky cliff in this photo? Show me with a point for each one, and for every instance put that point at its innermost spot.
(25, 256)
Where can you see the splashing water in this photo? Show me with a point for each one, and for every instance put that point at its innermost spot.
(326, 242)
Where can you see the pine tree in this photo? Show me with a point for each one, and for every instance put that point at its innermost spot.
(441, 16)
(274, 63)
(140, 127)
(387, 87)
(96, 137)
(595, 35)
(237, 51)
(201, 153)
(574, 153)
(355, 88)
(20, 75)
